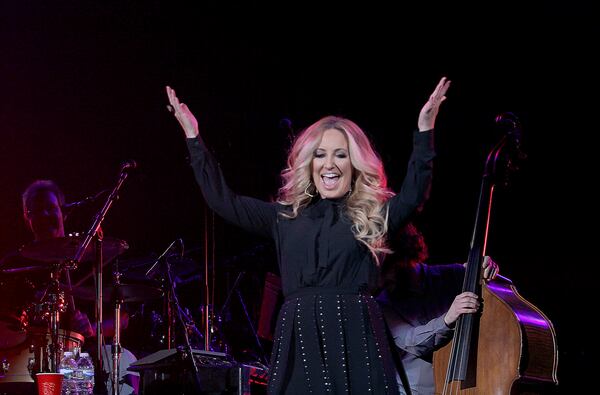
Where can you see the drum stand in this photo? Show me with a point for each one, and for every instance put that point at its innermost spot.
(57, 303)
(116, 346)
(48, 360)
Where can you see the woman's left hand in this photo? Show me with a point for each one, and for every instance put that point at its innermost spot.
(186, 119)
(430, 109)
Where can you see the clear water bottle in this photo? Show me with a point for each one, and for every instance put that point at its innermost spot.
(68, 367)
(85, 374)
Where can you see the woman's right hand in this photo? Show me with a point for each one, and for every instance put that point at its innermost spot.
(186, 119)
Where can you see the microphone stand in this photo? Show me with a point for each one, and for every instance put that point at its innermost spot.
(248, 319)
(95, 232)
(150, 273)
(188, 345)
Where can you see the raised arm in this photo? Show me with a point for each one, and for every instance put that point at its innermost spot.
(417, 183)
(251, 214)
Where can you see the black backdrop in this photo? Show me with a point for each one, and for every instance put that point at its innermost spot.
(83, 90)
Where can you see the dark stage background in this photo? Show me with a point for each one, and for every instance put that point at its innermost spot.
(82, 89)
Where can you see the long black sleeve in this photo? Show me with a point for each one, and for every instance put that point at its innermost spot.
(251, 214)
(417, 183)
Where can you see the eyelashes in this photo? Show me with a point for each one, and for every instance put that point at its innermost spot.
(340, 155)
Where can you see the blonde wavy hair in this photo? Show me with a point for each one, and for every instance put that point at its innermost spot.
(365, 205)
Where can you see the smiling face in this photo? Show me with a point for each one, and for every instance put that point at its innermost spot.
(331, 165)
(44, 216)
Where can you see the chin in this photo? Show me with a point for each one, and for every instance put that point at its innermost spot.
(331, 194)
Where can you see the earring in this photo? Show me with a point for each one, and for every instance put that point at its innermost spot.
(306, 190)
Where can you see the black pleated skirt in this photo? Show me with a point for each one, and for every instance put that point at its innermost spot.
(331, 341)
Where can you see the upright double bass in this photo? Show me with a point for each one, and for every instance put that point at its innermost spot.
(510, 346)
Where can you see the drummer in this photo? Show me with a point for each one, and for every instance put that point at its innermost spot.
(42, 211)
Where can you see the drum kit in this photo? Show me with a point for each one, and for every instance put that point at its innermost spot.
(37, 296)
(31, 338)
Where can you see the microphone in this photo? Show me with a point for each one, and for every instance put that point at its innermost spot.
(84, 201)
(128, 165)
(78, 203)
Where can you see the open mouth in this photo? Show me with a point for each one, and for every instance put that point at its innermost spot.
(330, 180)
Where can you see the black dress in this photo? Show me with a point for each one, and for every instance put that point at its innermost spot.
(330, 335)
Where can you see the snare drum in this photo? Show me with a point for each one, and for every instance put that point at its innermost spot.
(25, 353)
(13, 339)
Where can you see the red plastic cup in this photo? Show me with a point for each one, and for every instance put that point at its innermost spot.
(49, 383)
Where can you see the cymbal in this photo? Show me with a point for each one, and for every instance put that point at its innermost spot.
(128, 293)
(15, 263)
(65, 248)
(25, 269)
(182, 267)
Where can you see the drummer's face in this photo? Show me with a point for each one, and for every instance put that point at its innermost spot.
(44, 216)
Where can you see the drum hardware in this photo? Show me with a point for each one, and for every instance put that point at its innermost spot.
(20, 362)
(116, 346)
(246, 314)
(95, 233)
(173, 304)
(184, 268)
(118, 294)
(160, 327)
(60, 255)
(63, 249)
(49, 308)
(166, 268)
(126, 293)
(128, 381)
(34, 343)
(148, 328)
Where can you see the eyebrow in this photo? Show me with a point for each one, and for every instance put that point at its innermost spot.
(335, 150)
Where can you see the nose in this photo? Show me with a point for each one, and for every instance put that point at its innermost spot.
(329, 162)
(45, 212)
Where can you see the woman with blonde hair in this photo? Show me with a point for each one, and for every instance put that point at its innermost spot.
(330, 226)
